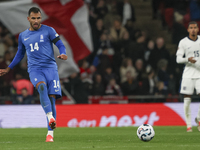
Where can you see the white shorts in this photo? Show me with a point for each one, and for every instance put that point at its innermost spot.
(188, 85)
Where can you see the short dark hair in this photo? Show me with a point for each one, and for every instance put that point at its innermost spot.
(193, 22)
(33, 9)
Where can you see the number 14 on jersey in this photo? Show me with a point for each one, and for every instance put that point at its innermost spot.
(36, 47)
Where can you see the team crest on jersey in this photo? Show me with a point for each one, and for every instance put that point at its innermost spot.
(184, 88)
(41, 38)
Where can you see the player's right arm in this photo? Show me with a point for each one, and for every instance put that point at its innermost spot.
(180, 53)
(18, 57)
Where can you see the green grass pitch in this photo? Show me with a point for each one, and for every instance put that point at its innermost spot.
(110, 138)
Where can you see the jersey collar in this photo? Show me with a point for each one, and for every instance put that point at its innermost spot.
(191, 39)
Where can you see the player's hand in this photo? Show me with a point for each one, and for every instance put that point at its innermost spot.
(4, 71)
(62, 56)
(192, 60)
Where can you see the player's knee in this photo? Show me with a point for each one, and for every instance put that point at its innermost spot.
(41, 87)
(54, 96)
(187, 96)
(39, 83)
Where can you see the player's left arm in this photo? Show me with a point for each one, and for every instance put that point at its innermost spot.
(57, 41)
(62, 49)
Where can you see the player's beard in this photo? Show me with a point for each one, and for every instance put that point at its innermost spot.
(193, 34)
(35, 27)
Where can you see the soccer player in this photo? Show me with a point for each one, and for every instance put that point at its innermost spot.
(188, 53)
(37, 41)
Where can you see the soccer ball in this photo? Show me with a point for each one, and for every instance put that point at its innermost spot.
(145, 132)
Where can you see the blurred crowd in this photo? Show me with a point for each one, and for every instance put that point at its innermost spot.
(175, 15)
(125, 59)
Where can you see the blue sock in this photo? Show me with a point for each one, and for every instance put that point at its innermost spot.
(53, 106)
(44, 98)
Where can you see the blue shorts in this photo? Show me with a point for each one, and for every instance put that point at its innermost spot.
(50, 77)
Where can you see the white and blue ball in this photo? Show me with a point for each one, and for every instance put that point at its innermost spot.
(145, 132)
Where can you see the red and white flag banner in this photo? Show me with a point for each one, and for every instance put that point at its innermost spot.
(68, 17)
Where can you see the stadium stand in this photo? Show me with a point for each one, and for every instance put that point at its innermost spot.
(147, 38)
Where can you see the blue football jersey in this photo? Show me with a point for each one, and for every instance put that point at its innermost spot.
(38, 47)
